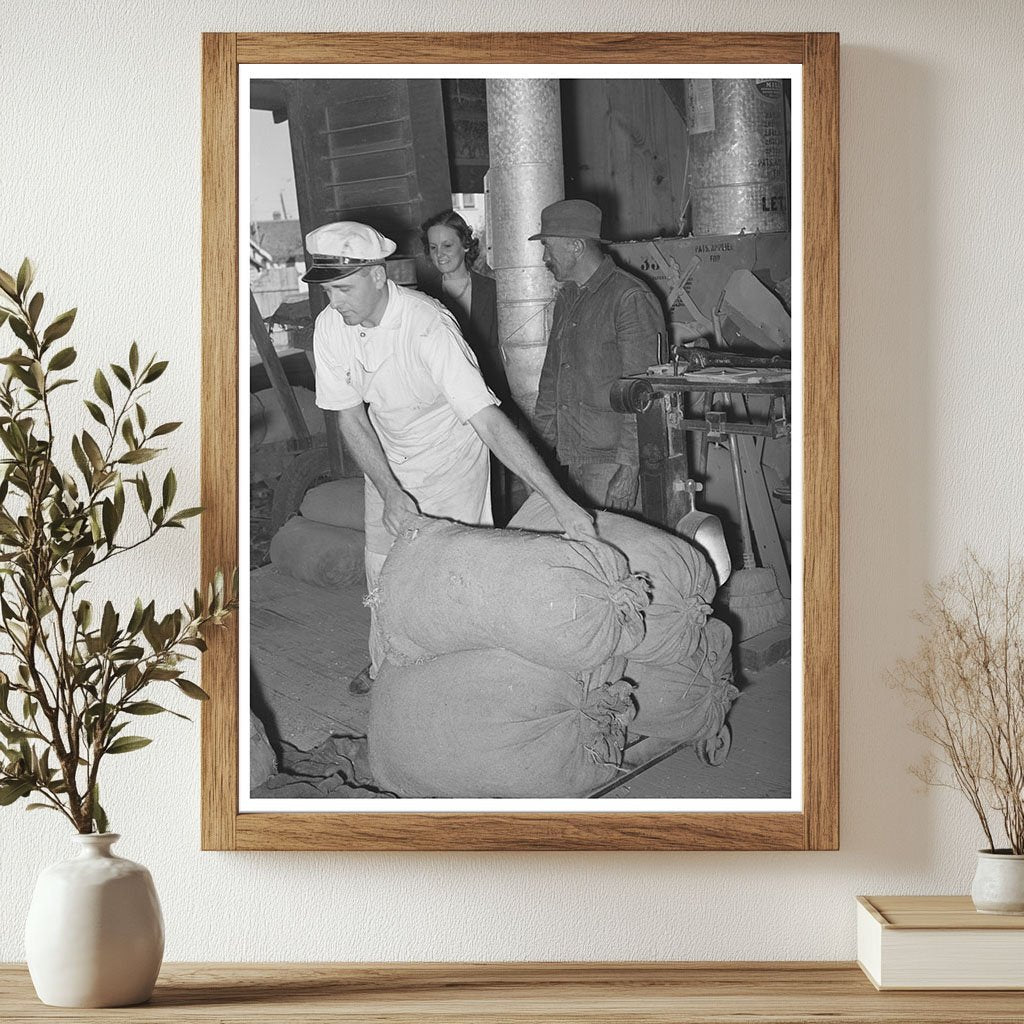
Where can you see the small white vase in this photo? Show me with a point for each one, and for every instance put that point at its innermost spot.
(999, 883)
(95, 934)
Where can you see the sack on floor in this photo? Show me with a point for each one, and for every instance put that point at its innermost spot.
(335, 503)
(563, 604)
(489, 724)
(682, 581)
(325, 556)
(689, 701)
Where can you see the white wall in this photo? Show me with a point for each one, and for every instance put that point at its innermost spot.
(100, 183)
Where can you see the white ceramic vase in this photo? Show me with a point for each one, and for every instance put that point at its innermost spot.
(95, 934)
(999, 883)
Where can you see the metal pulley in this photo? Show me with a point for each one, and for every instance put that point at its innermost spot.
(631, 395)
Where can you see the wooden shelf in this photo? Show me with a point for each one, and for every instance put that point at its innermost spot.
(631, 993)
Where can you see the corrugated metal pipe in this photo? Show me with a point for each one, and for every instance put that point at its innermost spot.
(738, 172)
(524, 131)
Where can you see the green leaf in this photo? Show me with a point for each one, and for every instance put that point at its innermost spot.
(140, 415)
(8, 285)
(121, 374)
(170, 488)
(133, 358)
(119, 498)
(92, 449)
(108, 626)
(60, 326)
(20, 328)
(191, 690)
(102, 388)
(166, 428)
(154, 372)
(95, 412)
(35, 307)
(12, 733)
(4, 314)
(129, 653)
(81, 461)
(14, 790)
(109, 522)
(185, 513)
(99, 817)
(42, 807)
(144, 707)
(138, 455)
(145, 497)
(26, 274)
(128, 433)
(63, 359)
(126, 744)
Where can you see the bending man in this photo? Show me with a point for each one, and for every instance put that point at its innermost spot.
(423, 436)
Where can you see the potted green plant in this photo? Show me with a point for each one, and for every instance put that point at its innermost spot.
(79, 672)
(967, 682)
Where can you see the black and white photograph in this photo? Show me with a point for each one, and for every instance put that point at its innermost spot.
(523, 501)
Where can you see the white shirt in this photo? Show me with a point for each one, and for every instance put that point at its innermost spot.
(422, 384)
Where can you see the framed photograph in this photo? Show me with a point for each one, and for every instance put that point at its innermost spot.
(538, 519)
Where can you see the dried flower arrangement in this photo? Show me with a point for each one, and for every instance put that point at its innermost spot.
(967, 680)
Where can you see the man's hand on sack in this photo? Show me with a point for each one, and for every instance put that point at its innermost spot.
(399, 510)
(577, 523)
(622, 488)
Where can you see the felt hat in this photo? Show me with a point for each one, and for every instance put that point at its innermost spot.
(570, 218)
(342, 248)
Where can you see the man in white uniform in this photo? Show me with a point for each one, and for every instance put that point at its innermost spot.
(423, 436)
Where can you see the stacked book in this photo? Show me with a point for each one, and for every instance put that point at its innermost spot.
(938, 942)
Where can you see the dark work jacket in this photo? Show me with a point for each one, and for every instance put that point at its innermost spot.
(480, 329)
(603, 330)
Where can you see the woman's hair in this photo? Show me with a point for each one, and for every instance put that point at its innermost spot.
(450, 219)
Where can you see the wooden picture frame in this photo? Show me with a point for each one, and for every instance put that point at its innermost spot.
(816, 825)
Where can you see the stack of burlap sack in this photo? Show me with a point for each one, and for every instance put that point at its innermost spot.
(516, 659)
(323, 544)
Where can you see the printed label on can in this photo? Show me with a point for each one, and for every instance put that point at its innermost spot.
(700, 106)
(769, 88)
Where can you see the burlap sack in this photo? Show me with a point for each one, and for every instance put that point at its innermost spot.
(562, 604)
(489, 724)
(682, 582)
(325, 556)
(335, 503)
(687, 702)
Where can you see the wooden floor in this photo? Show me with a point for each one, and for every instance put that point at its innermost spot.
(307, 643)
(525, 993)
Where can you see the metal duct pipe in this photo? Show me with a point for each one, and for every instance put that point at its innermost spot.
(737, 135)
(524, 133)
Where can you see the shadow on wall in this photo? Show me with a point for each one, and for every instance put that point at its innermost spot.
(888, 261)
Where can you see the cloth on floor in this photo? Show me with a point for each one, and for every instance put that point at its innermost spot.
(557, 603)
(335, 503)
(489, 724)
(681, 578)
(326, 556)
(337, 769)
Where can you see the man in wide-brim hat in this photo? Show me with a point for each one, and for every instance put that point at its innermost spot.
(605, 325)
(423, 434)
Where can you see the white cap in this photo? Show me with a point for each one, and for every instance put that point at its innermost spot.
(342, 248)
